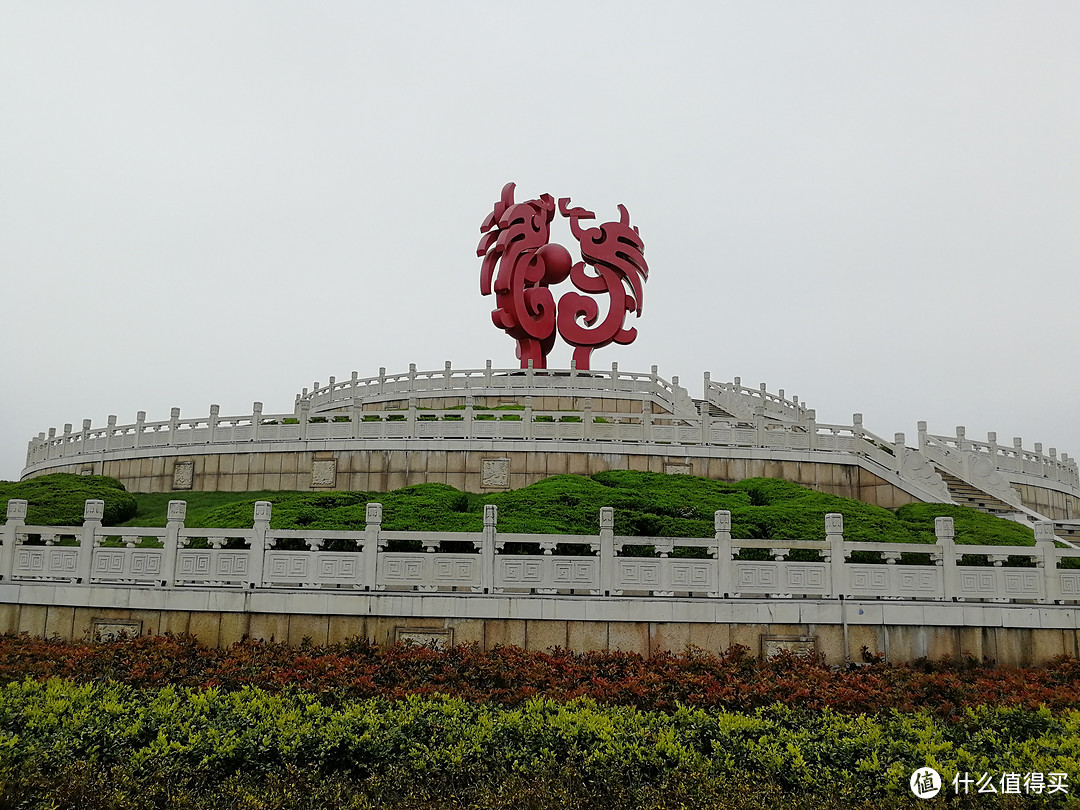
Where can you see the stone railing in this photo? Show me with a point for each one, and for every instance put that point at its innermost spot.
(340, 411)
(476, 562)
(514, 381)
(472, 422)
(977, 462)
(745, 403)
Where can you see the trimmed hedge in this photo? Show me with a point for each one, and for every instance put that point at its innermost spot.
(58, 499)
(510, 676)
(438, 748)
(644, 504)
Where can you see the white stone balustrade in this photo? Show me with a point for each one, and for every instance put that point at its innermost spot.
(341, 411)
(742, 401)
(971, 459)
(604, 565)
(455, 381)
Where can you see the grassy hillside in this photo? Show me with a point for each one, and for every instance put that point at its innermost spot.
(644, 503)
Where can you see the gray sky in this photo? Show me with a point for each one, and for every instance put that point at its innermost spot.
(874, 206)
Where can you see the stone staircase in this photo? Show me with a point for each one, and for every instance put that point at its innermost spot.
(965, 494)
(714, 410)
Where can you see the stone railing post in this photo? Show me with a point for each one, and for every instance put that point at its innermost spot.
(411, 419)
(372, 543)
(447, 375)
(174, 425)
(110, 431)
(256, 420)
(607, 550)
(527, 428)
(834, 536)
(759, 426)
(946, 534)
(211, 424)
(587, 419)
(858, 432)
(722, 552)
(302, 418)
(646, 420)
(93, 514)
(487, 550)
(177, 514)
(487, 374)
(706, 421)
(470, 416)
(356, 416)
(263, 511)
(811, 428)
(899, 447)
(1047, 560)
(50, 444)
(923, 436)
(84, 438)
(16, 519)
(140, 426)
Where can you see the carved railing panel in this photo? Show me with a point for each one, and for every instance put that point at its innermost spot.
(649, 566)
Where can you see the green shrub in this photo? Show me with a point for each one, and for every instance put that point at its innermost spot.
(432, 748)
(59, 499)
(645, 504)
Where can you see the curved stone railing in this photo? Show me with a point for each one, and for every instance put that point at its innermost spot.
(603, 565)
(341, 411)
(450, 381)
(471, 422)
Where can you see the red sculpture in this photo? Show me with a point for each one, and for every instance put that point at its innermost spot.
(516, 240)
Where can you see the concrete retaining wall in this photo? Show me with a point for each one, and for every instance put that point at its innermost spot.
(388, 466)
(1011, 635)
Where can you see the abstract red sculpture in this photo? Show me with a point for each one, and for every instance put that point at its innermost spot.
(515, 239)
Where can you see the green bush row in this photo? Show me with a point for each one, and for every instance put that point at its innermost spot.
(436, 745)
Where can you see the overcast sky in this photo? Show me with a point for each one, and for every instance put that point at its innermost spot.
(875, 206)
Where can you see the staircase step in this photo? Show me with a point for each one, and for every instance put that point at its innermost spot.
(967, 495)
